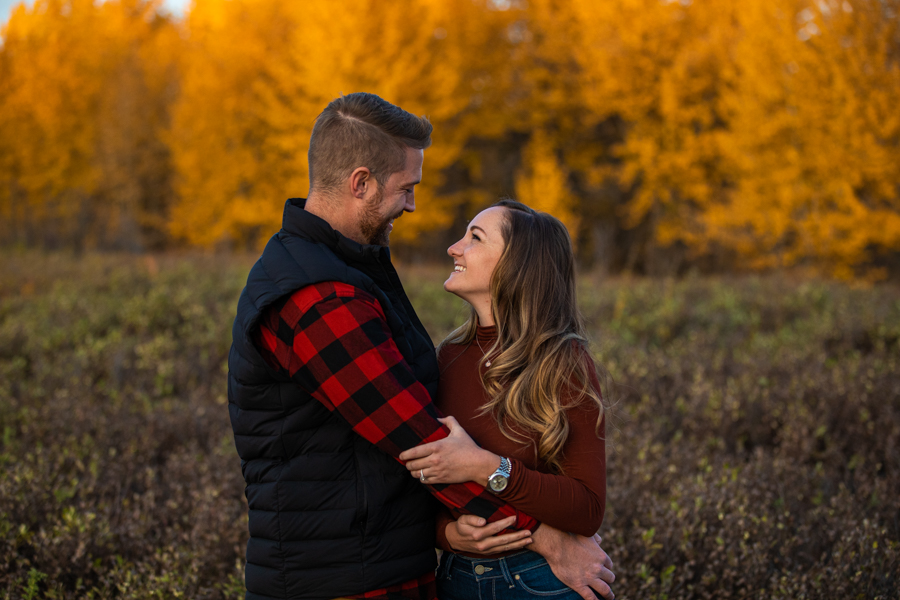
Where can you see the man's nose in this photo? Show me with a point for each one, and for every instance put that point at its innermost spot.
(410, 205)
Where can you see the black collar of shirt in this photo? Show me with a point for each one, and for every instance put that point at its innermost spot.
(298, 221)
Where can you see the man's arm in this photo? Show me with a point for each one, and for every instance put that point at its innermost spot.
(333, 340)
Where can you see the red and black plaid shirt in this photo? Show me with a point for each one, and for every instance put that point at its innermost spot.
(334, 341)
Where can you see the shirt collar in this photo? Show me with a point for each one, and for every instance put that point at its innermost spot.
(298, 221)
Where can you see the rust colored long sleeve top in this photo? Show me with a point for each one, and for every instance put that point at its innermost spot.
(574, 501)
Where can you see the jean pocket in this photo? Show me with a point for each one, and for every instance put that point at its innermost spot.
(542, 582)
(444, 565)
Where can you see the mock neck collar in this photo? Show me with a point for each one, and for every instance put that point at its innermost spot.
(298, 221)
(486, 333)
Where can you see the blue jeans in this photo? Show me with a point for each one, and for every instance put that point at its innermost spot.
(521, 575)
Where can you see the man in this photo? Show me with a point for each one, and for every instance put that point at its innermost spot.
(330, 378)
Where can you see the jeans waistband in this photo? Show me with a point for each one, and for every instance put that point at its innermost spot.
(487, 568)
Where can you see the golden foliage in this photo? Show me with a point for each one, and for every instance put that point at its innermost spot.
(82, 102)
(813, 141)
(243, 120)
(542, 184)
(663, 75)
(764, 134)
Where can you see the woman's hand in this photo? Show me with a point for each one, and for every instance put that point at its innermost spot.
(454, 459)
(471, 534)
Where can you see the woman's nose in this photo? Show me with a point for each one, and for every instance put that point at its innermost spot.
(452, 250)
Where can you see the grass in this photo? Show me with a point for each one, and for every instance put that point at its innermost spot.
(755, 439)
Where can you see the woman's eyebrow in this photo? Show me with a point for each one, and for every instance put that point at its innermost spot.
(472, 227)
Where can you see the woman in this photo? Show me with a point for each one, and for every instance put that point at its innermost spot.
(518, 377)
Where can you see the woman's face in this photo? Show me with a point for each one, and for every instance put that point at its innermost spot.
(474, 258)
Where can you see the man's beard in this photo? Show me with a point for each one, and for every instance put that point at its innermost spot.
(374, 227)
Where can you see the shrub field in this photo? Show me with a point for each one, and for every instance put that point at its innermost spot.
(754, 434)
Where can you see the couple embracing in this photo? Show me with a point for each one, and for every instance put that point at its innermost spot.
(363, 448)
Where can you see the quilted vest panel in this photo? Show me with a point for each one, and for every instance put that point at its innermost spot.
(330, 514)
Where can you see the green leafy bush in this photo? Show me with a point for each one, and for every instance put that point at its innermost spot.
(754, 434)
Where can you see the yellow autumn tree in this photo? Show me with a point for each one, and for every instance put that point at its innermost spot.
(229, 174)
(551, 111)
(763, 129)
(814, 140)
(135, 189)
(542, 182)
(756, 134)
(420, 55)
(47, 141)
(661, 67)
(243, 120)
(79, 118)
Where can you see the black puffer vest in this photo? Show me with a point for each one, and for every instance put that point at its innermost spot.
(330, 514)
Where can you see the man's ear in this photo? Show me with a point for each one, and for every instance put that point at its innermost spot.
(362, 183)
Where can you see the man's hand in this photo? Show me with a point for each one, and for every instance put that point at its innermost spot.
(470, 534)
(578, 561)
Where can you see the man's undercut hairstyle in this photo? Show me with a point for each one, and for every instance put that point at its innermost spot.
(362, 130)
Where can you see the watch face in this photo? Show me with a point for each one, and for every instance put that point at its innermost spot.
(498, 482)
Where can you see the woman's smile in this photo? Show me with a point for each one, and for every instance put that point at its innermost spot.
(476, 255)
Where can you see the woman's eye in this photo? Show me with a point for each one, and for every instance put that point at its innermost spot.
(475, 237)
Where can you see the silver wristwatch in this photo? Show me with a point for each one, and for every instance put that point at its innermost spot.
(499, 479)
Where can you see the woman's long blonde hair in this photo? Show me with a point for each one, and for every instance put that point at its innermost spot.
(541, 353)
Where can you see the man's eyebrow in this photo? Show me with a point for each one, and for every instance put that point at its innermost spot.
(411, 183)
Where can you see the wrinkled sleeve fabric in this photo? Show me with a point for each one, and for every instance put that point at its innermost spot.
(573, 502)
(332, 339)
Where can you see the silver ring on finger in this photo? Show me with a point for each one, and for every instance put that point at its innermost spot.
(422, 475)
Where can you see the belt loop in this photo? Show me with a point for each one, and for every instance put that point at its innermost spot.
(504, 568)
(448, 563)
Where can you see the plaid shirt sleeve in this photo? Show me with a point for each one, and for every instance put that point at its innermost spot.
(333, 340)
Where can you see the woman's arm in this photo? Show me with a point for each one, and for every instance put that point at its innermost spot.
(573, 502)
